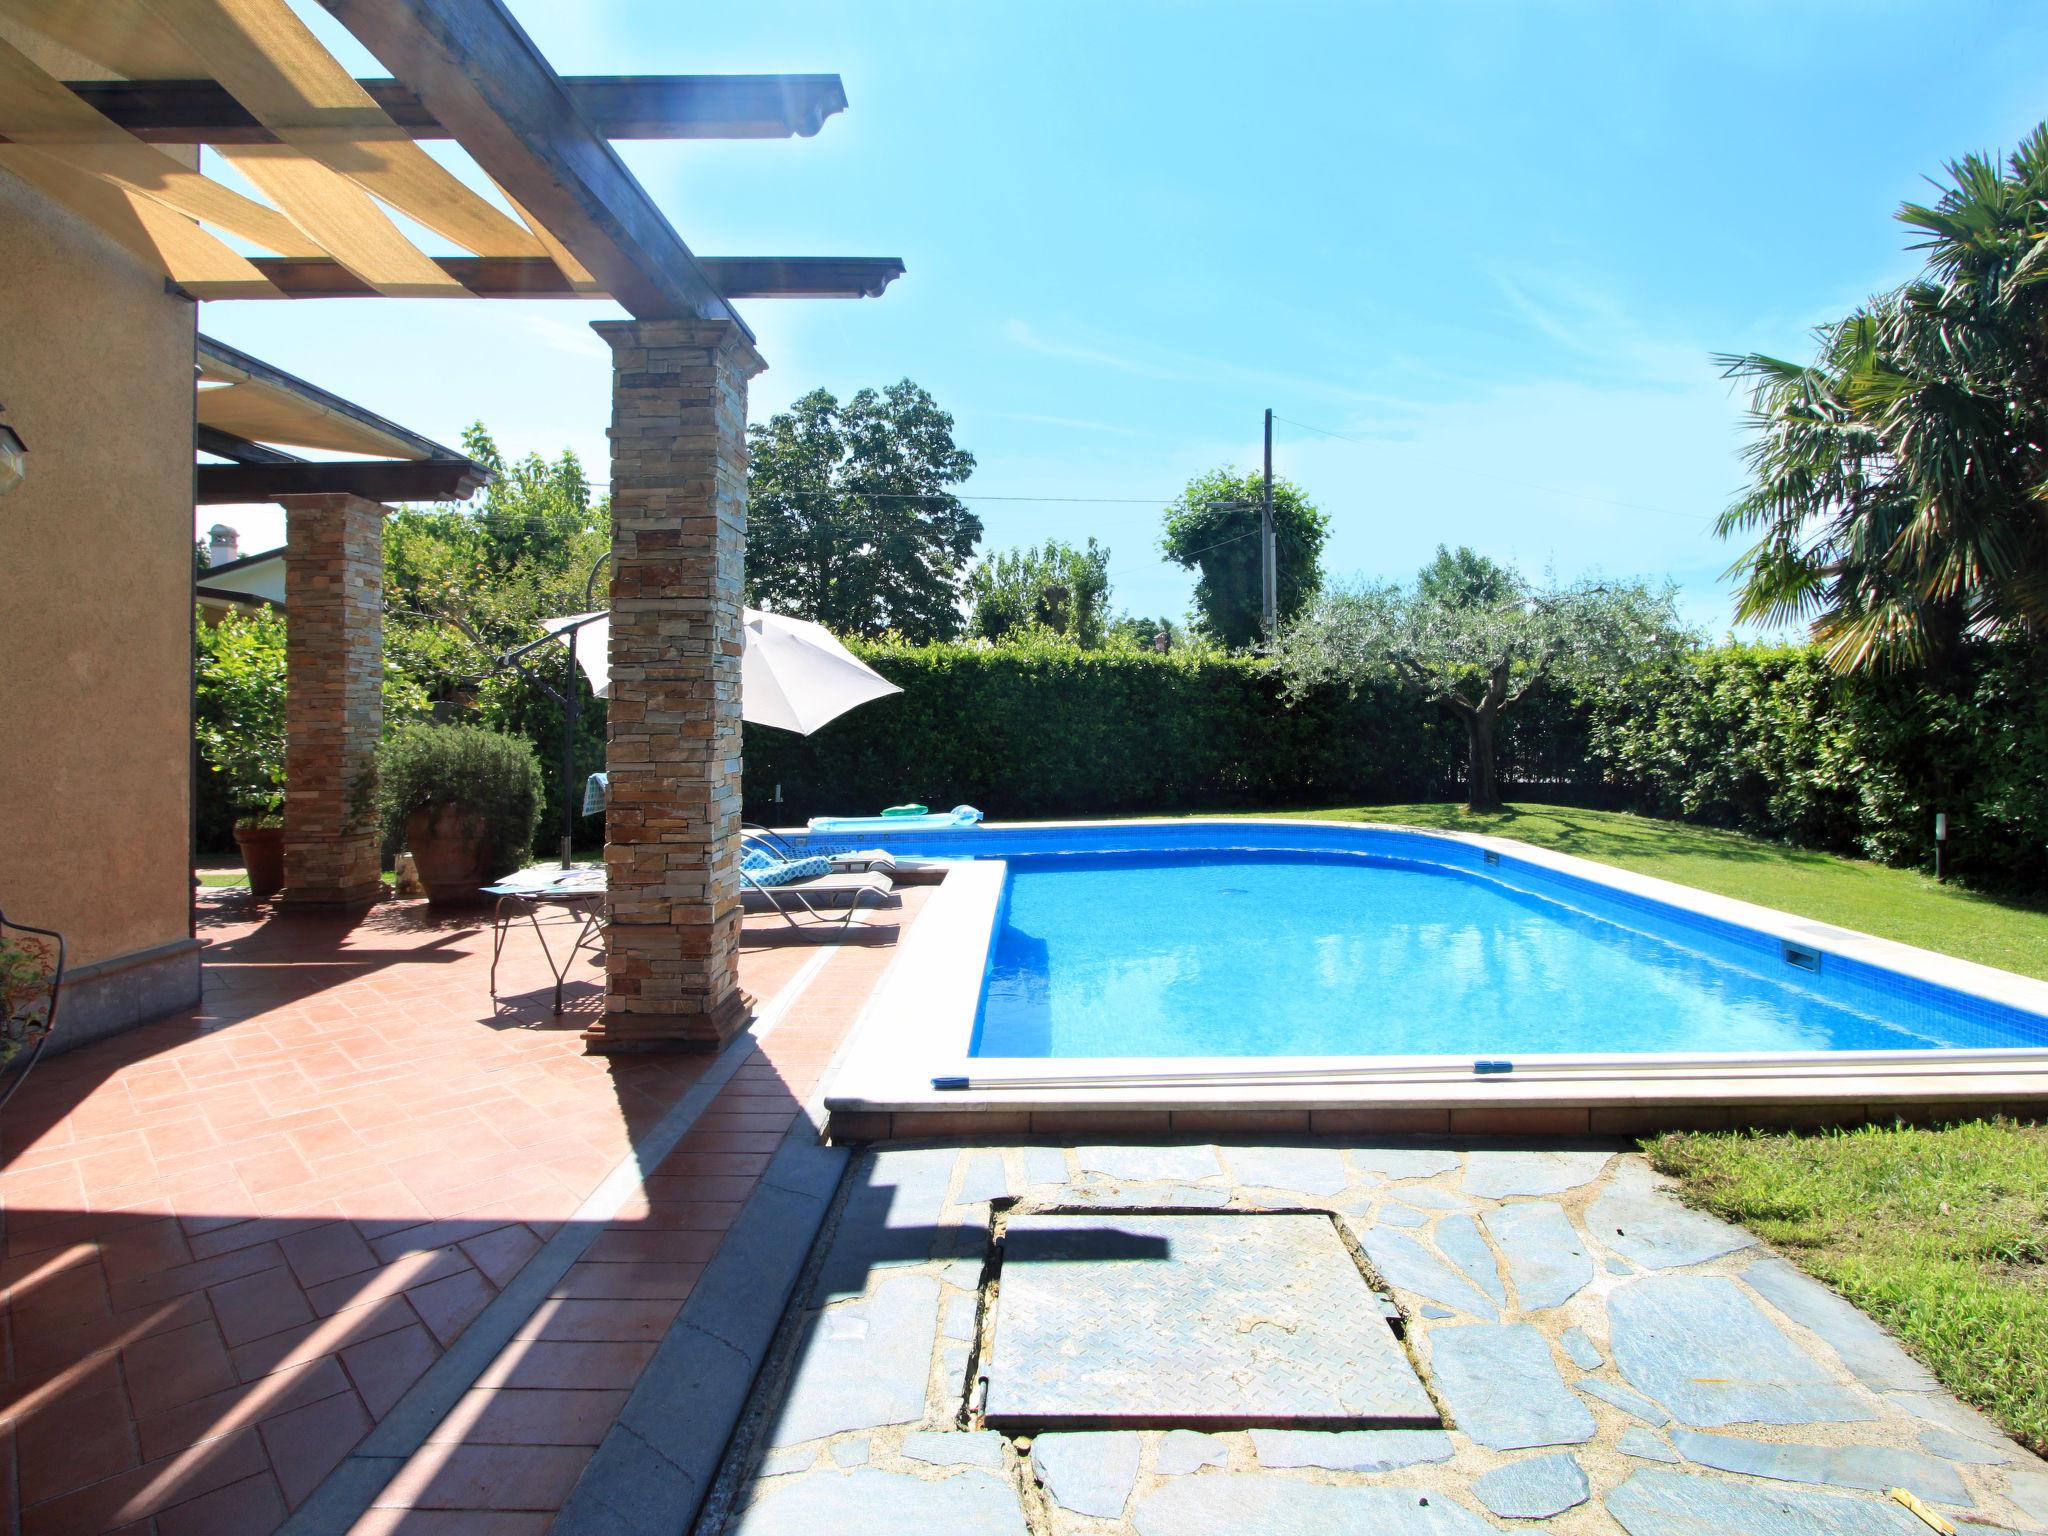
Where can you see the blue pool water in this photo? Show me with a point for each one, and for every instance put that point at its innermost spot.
(1376, 943)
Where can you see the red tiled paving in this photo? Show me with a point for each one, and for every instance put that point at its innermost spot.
(233, 1239)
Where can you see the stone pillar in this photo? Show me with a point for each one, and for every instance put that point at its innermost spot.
(334, 696)
(672, 820)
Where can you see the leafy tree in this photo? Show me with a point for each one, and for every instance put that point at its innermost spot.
(1060, 588)
(849, 521)
(1224, 545)
(1474, 637)
(462, 588)
(533, 510)
(1463, 576)
(238, 710)
(1898, 479)
(1136, 630)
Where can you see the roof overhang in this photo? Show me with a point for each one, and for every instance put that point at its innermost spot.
(248, 398)
(246, 409)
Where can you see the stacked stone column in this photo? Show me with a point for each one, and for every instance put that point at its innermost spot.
(334, 696)
(679, 534)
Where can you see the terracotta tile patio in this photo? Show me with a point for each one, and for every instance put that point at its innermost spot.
(235, 1238)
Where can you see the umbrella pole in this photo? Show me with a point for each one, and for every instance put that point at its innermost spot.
(569, 702)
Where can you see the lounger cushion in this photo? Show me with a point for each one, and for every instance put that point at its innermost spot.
(765, 870)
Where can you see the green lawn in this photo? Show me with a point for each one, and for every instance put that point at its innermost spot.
(230, 878)
(1891, 903)
(1941, 1235)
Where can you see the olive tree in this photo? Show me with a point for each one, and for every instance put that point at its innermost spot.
(1474, 637)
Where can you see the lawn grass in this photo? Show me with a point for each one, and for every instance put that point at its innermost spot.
(1941, 1235)
(1852, 893)
(229, 879)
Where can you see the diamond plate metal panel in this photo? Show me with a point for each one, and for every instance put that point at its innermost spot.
(1196, 1319)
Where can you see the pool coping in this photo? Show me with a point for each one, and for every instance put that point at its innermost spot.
(922, 1016)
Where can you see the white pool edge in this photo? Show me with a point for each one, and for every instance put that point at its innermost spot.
(920, 1023)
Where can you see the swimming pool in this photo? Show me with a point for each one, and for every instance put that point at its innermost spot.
(1332, 974)
(1241, 952)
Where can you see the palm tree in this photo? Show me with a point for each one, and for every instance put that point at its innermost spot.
(1899, 495)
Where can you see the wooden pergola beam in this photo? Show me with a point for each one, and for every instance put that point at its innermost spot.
(617, 106)
(384, 480)
(535, 277)
(228, 445)
(477, 73)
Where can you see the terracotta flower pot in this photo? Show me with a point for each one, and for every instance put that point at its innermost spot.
(263, 856)
(449, 847)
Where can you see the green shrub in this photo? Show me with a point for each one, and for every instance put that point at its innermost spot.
(423, 767)
(238, 720)
(1767, 740)
(238, 681)
(27, 967)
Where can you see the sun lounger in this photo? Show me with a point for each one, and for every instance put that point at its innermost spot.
(776, 877)
(842, 894)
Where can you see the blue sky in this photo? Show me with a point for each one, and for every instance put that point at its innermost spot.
(1496, 245)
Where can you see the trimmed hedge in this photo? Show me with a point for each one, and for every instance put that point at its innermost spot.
(1045, 730)
(1762, 739)
(1766, 740)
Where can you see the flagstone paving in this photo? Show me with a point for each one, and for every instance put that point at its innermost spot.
(1606, 1361)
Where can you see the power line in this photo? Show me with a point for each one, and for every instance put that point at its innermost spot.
(1527, 485)
(1091, 501)
(1193, 554)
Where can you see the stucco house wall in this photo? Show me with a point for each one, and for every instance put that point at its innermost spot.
(96, 374)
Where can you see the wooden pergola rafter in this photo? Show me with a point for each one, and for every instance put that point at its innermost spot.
(617, 106)
(328, 174)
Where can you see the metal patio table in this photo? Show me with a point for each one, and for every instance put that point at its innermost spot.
(577, 895)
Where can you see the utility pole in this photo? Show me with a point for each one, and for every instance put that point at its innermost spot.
(1269, 561)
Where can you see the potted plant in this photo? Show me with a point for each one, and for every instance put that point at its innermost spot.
(259, 833)
(239, 718)
(464, 800)
(25, 976)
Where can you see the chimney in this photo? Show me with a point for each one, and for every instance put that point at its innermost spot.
(222, 545)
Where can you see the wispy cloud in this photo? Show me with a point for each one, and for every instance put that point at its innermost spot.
(566, 336)
(1589, 322)
(1188, 368)
(1067, 423)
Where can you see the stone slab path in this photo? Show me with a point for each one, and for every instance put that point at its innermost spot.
(1606, 1361)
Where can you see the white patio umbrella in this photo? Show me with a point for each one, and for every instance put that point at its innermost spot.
(794, 675)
